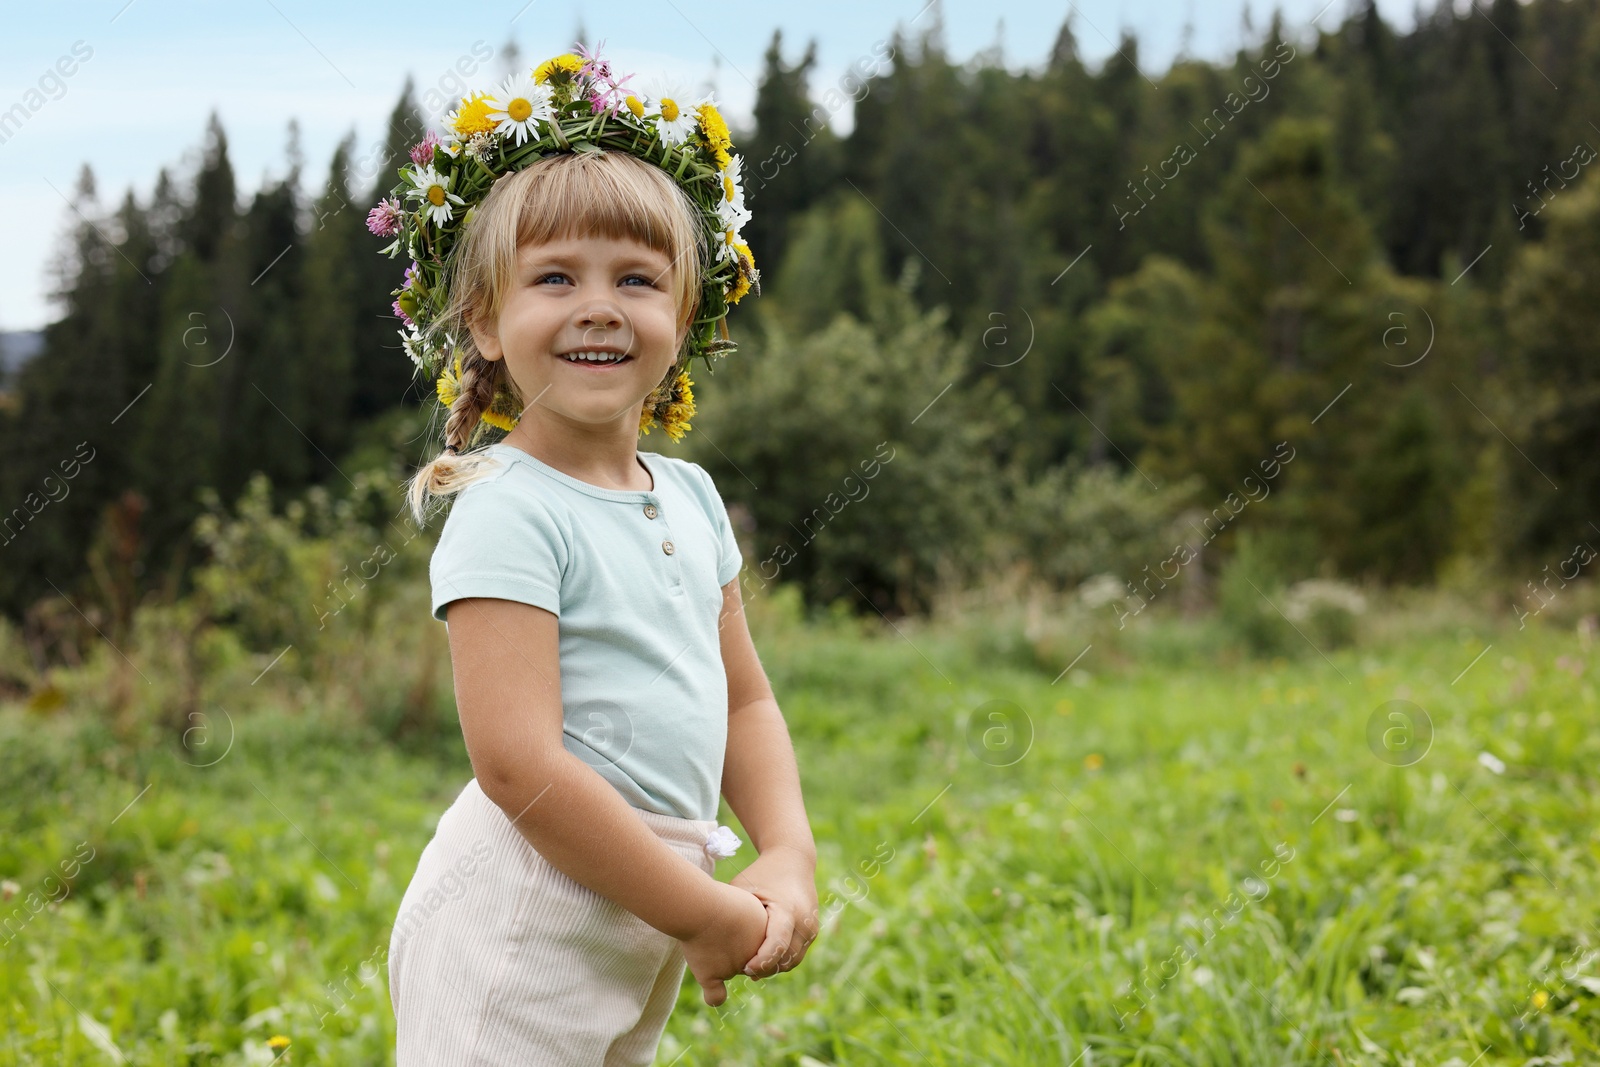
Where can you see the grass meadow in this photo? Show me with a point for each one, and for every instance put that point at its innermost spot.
(1040, 843)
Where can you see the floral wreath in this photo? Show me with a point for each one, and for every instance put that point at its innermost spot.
(569, 103)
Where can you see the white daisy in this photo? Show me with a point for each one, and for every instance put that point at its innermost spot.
(733, 182)
(733, 215)
(675, 115)
(731, 207)
(725, 243)
(416, 348)
(523, 105)
(633, 108)
(433, 189)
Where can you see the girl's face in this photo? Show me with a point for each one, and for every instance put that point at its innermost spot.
(594, 293)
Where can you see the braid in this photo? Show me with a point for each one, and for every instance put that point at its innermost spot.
(452, 470)
(479, 380)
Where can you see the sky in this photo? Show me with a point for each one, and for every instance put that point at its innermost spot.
(146, 74)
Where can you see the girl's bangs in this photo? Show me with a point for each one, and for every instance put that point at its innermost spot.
(586, 198)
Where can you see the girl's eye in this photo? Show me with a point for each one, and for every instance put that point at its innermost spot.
(541, 279)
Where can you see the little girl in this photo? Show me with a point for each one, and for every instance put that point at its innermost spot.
(605, 678)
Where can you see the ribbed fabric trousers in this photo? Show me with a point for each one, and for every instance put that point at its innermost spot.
(498, 959)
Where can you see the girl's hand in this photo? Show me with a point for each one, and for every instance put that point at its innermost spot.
(720, 948)
(784, 880)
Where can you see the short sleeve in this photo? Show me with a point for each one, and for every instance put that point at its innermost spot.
(499, 541)
(729, 559)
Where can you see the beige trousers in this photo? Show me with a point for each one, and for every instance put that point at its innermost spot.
(498, 958)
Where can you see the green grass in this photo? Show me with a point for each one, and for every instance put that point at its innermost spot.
(992, 887)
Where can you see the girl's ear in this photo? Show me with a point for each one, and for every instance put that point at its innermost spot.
(485, 337)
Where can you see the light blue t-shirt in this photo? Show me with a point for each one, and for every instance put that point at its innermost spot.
(635, 577)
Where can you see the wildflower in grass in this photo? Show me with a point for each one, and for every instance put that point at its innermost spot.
(1093, 761)
(277, 1042)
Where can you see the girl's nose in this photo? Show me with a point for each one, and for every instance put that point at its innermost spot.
(600, 315)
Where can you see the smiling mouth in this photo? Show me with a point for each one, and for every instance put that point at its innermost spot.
(595, 359)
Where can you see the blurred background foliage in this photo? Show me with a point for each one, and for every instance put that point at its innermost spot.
(1079, 358)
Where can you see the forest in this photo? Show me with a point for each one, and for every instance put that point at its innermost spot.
(1087, 310)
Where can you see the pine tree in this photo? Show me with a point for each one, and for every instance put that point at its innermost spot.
(383, 376)
(1553, 412)
(335, 248)
(269, 375)
(790, 157)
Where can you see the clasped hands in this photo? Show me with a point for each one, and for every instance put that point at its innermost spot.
(767, 923)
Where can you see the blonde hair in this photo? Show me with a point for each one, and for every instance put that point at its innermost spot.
(567, 195)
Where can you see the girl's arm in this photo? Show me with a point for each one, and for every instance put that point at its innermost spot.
(759, 775)
(762, 784)
(506, 660)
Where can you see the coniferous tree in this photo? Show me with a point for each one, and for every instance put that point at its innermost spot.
(1554, 412)
(383, 376)
(181, 441)
(335, 248)
(790, 157)
(268, 378)
(68, 396)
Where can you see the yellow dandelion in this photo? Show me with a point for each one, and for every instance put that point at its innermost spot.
(473, 115)
(502, 411)
(1540, 999)
(449, 384)
(680, 411)
(746, 271)
(567, 64)
(1093, 761)
(715, 131)
(277, 1042)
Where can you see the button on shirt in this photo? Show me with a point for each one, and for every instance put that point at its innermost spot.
(635, 578)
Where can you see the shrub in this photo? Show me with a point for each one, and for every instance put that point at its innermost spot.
(864, 456)
(1325, 610)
